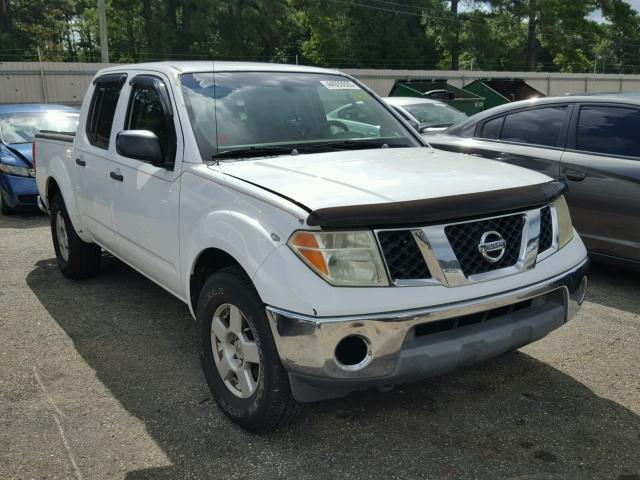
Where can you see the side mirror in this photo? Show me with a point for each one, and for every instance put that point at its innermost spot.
(140, 144)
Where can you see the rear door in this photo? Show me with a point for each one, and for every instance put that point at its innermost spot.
(602, 166)
(532, 138)
(93, 164)
(146, 212)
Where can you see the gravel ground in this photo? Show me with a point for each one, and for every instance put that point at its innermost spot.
(101, 379)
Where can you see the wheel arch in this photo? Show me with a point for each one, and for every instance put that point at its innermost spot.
(207, 262)
(59, 180)
(51, 188)
(219, 238)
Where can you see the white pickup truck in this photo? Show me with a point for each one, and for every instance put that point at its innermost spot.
(317, 258)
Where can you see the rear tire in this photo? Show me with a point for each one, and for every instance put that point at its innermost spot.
(76, 258)
(261, 400)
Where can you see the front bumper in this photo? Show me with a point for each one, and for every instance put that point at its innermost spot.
(19, 193)
(415, 344)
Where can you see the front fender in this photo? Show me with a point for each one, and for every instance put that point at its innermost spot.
(240, 219)
(238, 234)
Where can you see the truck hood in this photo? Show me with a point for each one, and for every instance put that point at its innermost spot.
(391, 175)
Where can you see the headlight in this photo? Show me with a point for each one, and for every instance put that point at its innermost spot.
(341, 258)
(13, 170)
(565, 228)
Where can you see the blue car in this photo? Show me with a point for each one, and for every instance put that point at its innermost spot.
(18, 126)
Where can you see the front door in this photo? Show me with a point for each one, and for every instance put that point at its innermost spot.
(146, 213)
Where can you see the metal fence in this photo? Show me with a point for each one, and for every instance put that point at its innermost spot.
(551, 84)
(52, 82)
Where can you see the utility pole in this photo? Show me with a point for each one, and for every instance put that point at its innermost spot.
(104, 44)
(531, 36)
(455, 48)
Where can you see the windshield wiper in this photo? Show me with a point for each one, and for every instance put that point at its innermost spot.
(256, 151)
(349, 145)
(267, 150)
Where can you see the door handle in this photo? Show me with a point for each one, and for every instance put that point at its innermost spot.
(82, 163)
(576, 176)
(116, 176)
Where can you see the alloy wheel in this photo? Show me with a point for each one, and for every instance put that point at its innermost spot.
(235, 350)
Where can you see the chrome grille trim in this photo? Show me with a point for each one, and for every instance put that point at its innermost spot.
(443, 263)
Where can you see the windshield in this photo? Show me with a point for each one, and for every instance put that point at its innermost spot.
(22, 127)
(435, 113)
(258, 110)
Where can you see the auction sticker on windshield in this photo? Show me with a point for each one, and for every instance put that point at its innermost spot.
(340, 85)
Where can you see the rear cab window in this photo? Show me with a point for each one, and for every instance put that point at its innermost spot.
(102, 108)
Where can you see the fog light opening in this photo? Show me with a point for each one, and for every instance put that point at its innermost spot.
(353, 352)
(582, 290)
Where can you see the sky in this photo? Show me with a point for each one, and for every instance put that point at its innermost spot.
(596, 15)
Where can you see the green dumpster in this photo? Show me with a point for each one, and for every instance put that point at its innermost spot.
(502, 90)
(439, 89)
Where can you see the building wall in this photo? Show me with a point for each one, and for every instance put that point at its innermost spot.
(52, 82)
(381, 81)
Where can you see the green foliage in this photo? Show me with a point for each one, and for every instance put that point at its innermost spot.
(485, 35)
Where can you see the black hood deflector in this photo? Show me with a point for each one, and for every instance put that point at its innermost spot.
(438, 210)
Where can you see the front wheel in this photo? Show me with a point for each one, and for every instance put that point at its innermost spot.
(76, 258)
(238, 353)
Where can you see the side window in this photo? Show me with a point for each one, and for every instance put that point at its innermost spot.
(609, 130)
(538, 126)
(101, 111)
(492, 128)
(146, 112)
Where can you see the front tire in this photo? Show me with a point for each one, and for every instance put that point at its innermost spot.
(76, 258)
(238, 353)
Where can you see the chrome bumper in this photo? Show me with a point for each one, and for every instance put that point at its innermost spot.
(306, 344)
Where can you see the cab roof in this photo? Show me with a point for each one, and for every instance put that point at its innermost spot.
(169, 67)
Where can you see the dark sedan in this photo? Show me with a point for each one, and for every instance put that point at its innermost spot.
(592, 141)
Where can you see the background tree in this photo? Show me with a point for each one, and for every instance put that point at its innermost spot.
(550, 35)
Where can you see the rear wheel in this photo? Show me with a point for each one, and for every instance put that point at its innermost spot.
(238, 353)
(76, 258)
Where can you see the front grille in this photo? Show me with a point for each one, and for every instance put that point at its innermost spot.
(403, 257)
(465, 240)
(546, 230)
(27, 198)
